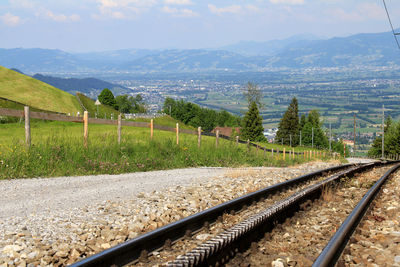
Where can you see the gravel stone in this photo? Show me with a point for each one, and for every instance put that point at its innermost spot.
(57, 221)
(377, 239)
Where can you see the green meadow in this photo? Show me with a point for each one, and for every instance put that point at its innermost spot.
(57, 150)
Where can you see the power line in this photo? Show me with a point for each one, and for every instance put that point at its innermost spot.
(391, 25)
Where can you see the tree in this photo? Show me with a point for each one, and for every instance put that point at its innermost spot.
(312, 131)
(392, 140)
(106, 97)
(253, 94)
(288, 129)
(302, 121)
(130, 104)
(252, 124)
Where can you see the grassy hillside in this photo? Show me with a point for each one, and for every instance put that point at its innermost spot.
(34, 93)
(104, 110)
(166, 121)
(58, 150)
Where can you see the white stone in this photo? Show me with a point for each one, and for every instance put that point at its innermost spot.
(10, 249)
(277, 263)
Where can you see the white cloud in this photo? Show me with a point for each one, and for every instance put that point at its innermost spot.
(22, 3)
(178, 2)
(61, 17)
(179, 12)
(253, 8)
(339, 14)
(287, 2)
(234, 9)
(10, 19)
(122, 9)
(371, 10)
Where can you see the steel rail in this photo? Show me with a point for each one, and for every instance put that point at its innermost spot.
(131, 250)
(333, 250)
(215, 249)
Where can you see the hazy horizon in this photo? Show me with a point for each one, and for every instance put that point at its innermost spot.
(105, 25)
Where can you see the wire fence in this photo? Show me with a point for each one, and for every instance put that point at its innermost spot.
(26, 114)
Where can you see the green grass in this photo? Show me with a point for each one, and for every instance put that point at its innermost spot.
(165, 121)
(5, 103)
(36, 94)
(104, 110)
(57, 150)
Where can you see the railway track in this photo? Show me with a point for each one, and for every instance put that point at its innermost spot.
(225, 221)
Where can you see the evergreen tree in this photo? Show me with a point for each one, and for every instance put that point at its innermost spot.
(312, 131)
(289, 125)
(252, 124)
(106, 97)
(376, 148)
(303, 121)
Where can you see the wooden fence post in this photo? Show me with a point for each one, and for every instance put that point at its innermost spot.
(85, 128)
(284, 153)
(237, 140)
(119, 128)
(248, 145)
(265, 152)
(310, 154)
(293, 153)
(199, 136)
(151, 129)
(272, 151)
(177, 133)
(217, 139)
(27, 127)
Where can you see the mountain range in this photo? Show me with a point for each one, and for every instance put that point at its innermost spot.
(371, 49)
(88, 86)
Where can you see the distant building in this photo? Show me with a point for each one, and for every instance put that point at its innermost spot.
(270, 134)
(348, 142)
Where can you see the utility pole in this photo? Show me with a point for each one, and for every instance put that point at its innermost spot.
(354, 148)
(300, 138)
(312, 137)
(383, 131)
(330, 136)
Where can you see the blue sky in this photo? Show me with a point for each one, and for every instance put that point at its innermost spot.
(95, 25)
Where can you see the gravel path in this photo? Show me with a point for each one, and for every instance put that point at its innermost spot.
(65, 192)
(61, 220)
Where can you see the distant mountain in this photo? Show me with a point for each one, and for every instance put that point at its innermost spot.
(268, 48)
(191, 60)
(88, 86)
(115, 56)
(373, 49)
(36, 59)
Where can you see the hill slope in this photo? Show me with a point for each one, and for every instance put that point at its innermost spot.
(104, 111)
(87, 86)
(24, 89)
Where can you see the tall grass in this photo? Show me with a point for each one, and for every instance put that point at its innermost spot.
(58, 150)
